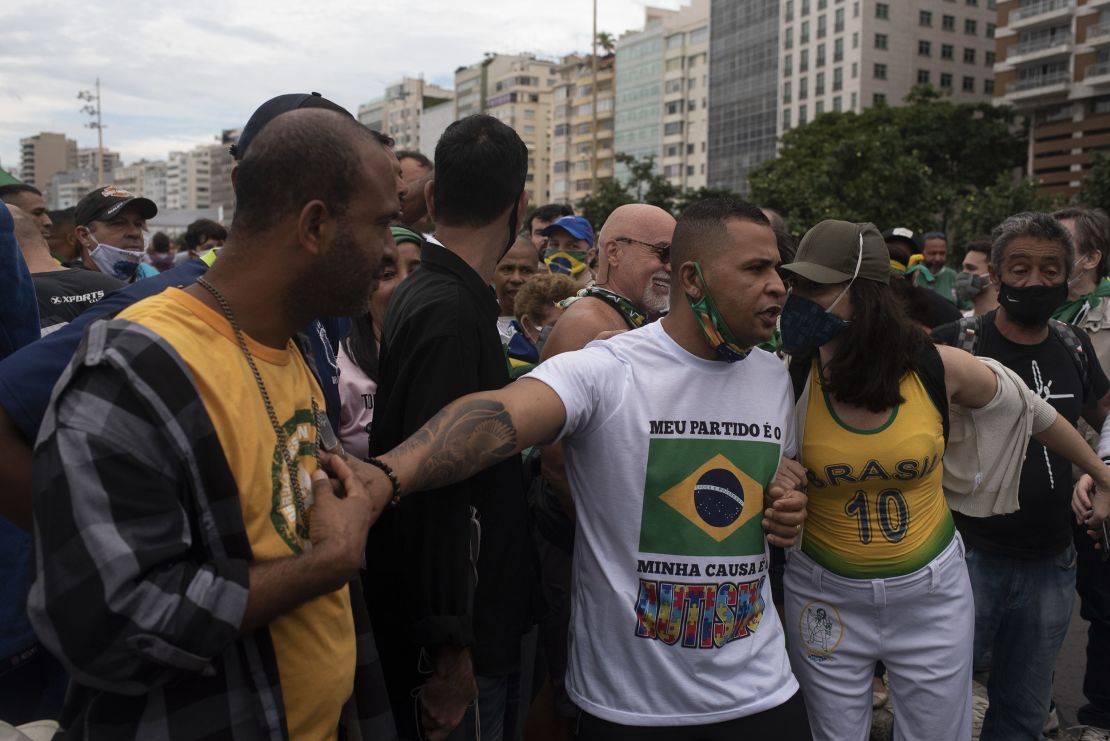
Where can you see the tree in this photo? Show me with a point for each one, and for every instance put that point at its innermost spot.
(596, 207)
(910, 165)
(980, 212)
(1095, 189)
(700, 194)
(606, 42)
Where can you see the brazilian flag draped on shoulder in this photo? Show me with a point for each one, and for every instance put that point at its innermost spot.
(1073, 311)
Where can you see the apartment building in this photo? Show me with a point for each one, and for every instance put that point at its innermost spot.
(1054, 68)
(189, 178)
(44, 155)
(662, 93)
(143, 178)
(88, 158)
(581, 138)
(399, 111)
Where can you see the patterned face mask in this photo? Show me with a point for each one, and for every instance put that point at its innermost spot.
(565, 262)
(806, 325)
(713, 327)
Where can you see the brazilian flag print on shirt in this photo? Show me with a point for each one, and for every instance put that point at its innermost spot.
(704, 497)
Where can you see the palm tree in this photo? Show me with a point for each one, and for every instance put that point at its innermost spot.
(606, 42)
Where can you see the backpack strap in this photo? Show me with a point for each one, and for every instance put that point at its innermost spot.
(1067, 334)
(930, 369)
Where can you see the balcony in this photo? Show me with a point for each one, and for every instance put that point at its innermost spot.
(1099, 34)
(1040, 12)
(1046, 80)
(1037, 89)
(1097, 73)
(1039, 49)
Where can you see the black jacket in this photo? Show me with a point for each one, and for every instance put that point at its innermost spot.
(439, 343)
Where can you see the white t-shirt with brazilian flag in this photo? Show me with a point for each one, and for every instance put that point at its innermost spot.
(667, 456)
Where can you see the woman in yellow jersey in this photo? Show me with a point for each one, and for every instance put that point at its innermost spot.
(880, 575)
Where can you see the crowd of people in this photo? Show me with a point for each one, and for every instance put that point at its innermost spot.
(400, 455)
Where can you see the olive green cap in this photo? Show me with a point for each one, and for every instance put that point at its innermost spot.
(829, 252)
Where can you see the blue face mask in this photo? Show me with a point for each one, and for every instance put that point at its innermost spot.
(805, 325)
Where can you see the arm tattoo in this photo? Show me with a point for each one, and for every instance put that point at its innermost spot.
(464, 438)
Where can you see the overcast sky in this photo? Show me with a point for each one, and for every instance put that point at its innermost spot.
(173, 73)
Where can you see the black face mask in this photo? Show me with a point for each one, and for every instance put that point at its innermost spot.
(1031, 306)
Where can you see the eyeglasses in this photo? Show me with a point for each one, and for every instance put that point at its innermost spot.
(662, 250)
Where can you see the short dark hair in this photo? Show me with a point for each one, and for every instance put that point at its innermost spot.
(384, 139)
(701, 228)
(933, 235)
(1092, 232)
(412, 154)
(201, 230)
(14, 189)
(300, 156)
(549, 212)
(980, 245)
(63, 217)
(1031, 224)
(481, 166)
(160, 242)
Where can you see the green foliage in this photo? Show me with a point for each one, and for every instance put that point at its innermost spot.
(975, 215)
(606, 41)
(597, 207)
(1095, 189)
(912, 165)
(700, 194)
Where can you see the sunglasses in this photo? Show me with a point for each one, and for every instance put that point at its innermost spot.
(662, 250)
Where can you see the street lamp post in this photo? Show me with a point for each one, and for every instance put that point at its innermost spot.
(92, 107)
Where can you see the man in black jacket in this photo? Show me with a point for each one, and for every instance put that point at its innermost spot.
(448, 570)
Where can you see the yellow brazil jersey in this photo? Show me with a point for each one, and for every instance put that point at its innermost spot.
(876, 506)
(315, 643)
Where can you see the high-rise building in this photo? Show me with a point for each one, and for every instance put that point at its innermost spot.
(581, 142)
(221, 195)
(433, 122)
(847, 56)
(44, 155)
(1053, 66)
(189, 178)
(662, 93)
(743, 89)
(68, 187)
(515, 89)
(398, 112)
(88, 159)
(143, 178)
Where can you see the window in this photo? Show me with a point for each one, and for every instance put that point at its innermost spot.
(822, 4)
(672, 128)
(787, 66)
(804, 37)
(786, 118)
(855, 70)
(689, 170)
(803, 61)
(819, 84)
(988, 58)
(947, 51)
(820, 55)
(789, 10)
(838, 50)
(880, 71)
(690, 148)
(924, 49)
(855, 39)
(855, 101)
(674, 107)
(836, 104)
(822, 26)
(818, 108)
(878, 99)
(945, 81)
(990, 30)
(881, 41)
(805, 7)
(948, 23)
(838, 20)
(925, 18)
(529, 130)
(988, 86)
(855, 9)
(882, 10)
(923, 77)
(971, 27)
(838, 79)
(803, 88)
(972, 3)
(969, 84)
(802, 115)
(788, 39)
(969, 56)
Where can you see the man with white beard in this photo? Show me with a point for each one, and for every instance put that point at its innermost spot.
(632, 288)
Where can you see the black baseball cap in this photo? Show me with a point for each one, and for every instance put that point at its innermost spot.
(903, 234)
(273, 108)
(104, 203)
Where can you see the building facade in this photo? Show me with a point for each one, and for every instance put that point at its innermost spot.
(1053, 67)
(662, 93)
(189, 178)
(44, 155)
(399, 111)
(433, 122)
(88, 159)
(144, 178)
(743, 89)
(581, 141)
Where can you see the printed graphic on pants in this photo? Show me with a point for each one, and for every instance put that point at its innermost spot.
(821, 629)
(704, 497)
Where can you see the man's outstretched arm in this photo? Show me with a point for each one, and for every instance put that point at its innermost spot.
(471, 434)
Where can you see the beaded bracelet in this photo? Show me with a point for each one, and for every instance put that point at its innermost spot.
(392, 477)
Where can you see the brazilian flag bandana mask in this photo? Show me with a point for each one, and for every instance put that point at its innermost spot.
(713, 327)
(565, 262)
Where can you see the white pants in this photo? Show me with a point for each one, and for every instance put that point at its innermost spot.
(921, 626)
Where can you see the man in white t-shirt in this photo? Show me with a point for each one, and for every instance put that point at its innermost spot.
(673, 433)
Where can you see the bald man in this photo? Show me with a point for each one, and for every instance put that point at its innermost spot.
(62, 293)
(632, 287)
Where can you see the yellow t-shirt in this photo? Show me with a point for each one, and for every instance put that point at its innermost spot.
(315, 643)
(876, 506)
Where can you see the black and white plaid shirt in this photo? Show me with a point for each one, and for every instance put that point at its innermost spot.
(141, 560)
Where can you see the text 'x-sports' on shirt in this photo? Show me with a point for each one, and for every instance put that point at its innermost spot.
(668, 456)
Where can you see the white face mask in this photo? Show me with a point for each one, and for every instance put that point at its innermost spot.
(116, 262)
